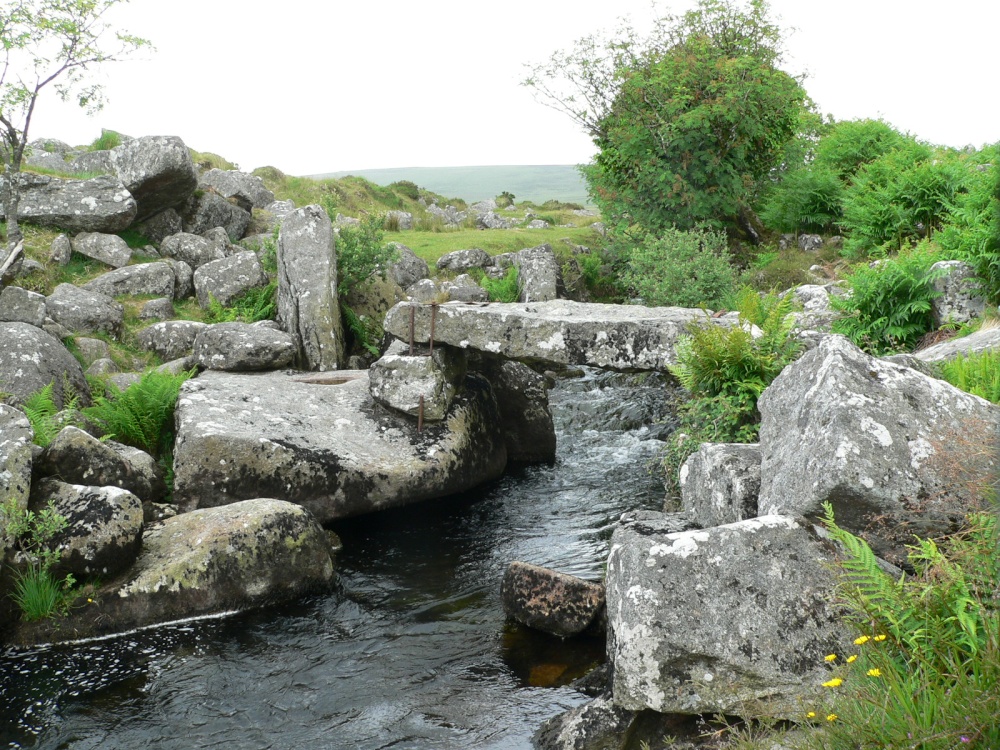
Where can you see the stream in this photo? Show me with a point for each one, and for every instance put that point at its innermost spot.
(409, 650)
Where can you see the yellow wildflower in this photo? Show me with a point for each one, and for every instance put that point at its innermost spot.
(851, 658)
(879, 638)
(862, 640)
(831, 717)
(811, 715)
(835, 682)
(875, 672)
(830, 657)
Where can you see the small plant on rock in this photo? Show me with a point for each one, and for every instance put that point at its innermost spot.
(504, 289)
(37, 591)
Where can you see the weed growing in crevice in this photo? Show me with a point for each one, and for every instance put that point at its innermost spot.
(504, 289)
(37, 592)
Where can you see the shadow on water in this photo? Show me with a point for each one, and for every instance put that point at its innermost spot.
(410, 649)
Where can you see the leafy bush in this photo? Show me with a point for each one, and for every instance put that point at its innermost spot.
(143, 414)
(361, 252)
(978, 374)
(38, 594)
(779, 270)
(903, 195)
(407, 189)
(806, 200)
(847, 146)
(681, 268)
(927, 671)
(889, 307)
(502, 290)
(107, 140)
(725, 369)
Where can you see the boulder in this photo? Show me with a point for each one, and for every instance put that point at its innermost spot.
(246, 190)
(102, 368)
(219, 237)
(325, 445)
(192, 249)
(895, 452)
(76, 457)
(420, 383)
(408, 268)
(537, 274)
(525, 418)
(449, 215)
(83, 311)
(104, 530)
(61, 250)
(617, 337)
(810, 243)
(403, 220)
(463, 260)
(157, 171)
(374, 297)
(90, 350)
(817, 311)
(959, 299)
(158, 309)
(183, 278)
(425, 290)
(747, 631)
(170, 339)
(144, 278)
(226, 279)
(596, 725)
(18, 305)
(537, 224)
(160, 226)
(983, 340)
(243, 347)
(464, 289)
(493, 220)
(16, 438)
(101, 204)
(720, 483)
(553, 602)
(30, 359)
(107, 248)
(308, 302)
(210, 561)
(209, 210)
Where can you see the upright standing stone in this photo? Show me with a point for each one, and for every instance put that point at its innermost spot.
(308, 305)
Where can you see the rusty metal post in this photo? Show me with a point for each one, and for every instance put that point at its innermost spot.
(420, 416)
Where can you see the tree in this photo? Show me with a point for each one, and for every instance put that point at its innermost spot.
(687, 121)
(47, 44)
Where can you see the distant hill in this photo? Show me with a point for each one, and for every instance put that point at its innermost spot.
(532, 183)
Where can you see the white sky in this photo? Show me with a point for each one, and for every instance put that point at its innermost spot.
(328, 85)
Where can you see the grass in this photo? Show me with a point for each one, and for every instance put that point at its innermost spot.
(504, 289)
(432, 245)
(977, 373)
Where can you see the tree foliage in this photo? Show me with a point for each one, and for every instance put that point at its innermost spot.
(687, 121)
(49, 44)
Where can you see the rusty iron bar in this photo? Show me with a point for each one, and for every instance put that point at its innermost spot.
(420, 416)
(434, 309)
(413, 312)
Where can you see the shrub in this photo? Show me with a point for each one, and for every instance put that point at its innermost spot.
(361, 252)
(107, 140)
(848, 146)
(806, 200)
(143, 414)
(681, 268)
(406, 188)
(502, 290)
(901, 196)
(927, 671)
(889, 307)
(725, 369)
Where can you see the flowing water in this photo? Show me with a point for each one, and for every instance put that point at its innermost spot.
(410, 650)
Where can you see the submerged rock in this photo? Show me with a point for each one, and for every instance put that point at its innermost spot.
(550, 601)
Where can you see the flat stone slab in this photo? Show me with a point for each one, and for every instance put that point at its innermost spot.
(327, 447)
(615, 337)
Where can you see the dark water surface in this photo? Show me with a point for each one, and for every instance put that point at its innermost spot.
(410, 650)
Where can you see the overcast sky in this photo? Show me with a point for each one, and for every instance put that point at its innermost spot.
(313, 87)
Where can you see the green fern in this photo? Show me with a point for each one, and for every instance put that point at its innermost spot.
(46, 418)
(143, 414)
